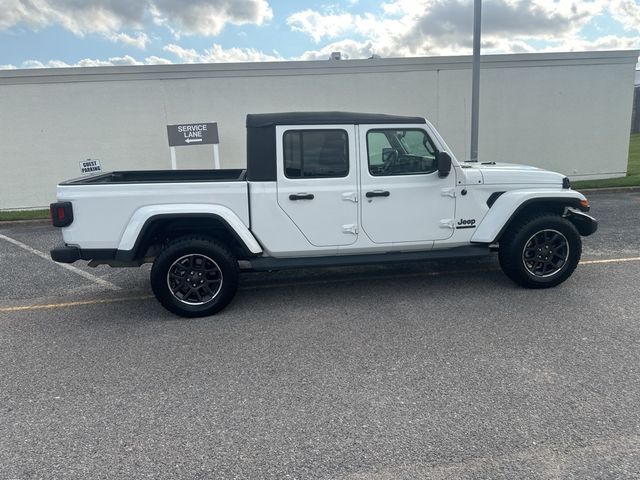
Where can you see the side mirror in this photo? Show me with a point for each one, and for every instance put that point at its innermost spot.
(443, 160)
(389, 155)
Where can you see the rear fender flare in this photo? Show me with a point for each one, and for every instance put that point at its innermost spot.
(144, 215)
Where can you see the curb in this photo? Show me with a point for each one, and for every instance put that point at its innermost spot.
(609, 190)
(14, 223)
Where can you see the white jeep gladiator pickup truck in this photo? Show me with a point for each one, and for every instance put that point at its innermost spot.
(322, 189)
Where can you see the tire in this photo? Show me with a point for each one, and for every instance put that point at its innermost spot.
(540, 251)
(209, 264)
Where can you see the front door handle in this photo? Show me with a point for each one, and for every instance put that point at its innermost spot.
(377, 193)
(301, 196)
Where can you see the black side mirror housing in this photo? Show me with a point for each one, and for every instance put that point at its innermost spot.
(389, 155)
(443, 160)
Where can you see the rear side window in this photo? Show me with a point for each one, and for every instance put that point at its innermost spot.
(316, 153)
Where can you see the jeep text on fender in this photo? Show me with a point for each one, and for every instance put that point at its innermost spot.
(322, 189)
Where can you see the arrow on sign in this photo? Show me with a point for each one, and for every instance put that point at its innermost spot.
(191, 140)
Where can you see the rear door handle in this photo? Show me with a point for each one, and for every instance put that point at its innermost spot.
(301, 196)
(377, 193)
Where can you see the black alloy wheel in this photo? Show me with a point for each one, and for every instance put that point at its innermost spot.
(545, 253)
(194, 279)
(195, 276)
(540, 251)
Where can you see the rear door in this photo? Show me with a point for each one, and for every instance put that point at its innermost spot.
(318, 180)
(403, 198)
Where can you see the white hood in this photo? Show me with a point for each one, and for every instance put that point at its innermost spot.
(511, 173)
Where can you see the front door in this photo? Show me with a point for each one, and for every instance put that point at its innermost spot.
(317, 182)
(403, 199)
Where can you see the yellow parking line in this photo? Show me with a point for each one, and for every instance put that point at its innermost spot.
(50, 306)
(72, 304)
(610, 260)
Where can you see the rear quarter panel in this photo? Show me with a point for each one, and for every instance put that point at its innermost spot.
(102, 213)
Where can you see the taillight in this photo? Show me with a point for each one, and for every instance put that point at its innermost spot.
(61, 214)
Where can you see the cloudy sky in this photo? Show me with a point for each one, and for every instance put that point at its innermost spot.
(56, 33)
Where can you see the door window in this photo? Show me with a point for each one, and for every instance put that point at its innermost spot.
(316, 153)
(400, 152)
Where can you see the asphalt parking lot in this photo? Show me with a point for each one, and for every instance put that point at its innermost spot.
(437, 370)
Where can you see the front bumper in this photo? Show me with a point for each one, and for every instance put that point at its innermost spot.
(585, 224)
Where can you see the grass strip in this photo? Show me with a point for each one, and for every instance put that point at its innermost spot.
(633, 171)
(23, 215)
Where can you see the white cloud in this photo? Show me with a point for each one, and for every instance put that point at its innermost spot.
(124, 60)
(38, 64)
(319, 26)
(186, 55)
(86, 62)
(208, 17)
(217, 54)
(93, 62)
(79, 17)
(398, 28)
(139, 40)
(608, 42)
(8, 67)
(443, 27)
(627, 12)
(153, 60)
(205, 17)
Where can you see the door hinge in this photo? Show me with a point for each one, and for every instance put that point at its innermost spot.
(350, 197)
(448, 192)
(351, 228)
(447, 223)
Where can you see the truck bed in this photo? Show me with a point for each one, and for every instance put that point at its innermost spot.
(106, 205)
(161, 176)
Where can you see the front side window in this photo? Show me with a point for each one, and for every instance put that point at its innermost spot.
(316, 153)
(400, 152)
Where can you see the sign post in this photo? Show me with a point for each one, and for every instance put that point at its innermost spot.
(475, 79)
(216, 157)
(173, 158)
(188, 134)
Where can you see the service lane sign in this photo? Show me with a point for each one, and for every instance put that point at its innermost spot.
(89, 166)
(192, 134)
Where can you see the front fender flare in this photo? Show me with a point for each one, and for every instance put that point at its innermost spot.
(510, 203)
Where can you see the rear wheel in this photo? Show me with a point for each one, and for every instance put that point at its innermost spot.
(540, 251)
(195, 277)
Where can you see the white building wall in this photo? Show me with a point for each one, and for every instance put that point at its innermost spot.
(566, 112)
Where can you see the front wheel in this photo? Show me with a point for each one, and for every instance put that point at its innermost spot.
(540, 251)
(195, 277)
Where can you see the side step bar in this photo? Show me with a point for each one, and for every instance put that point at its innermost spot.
(262, 264)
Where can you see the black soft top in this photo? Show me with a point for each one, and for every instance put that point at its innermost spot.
(261, 134)
(261, 120)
